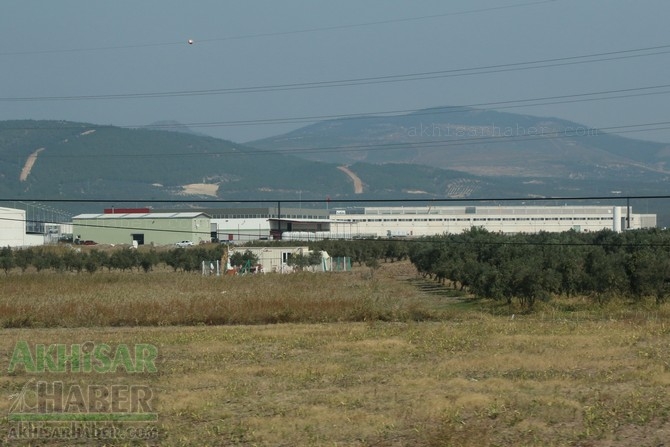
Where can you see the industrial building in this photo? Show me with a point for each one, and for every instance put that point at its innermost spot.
(239, 225)
(13, 229)
(138, 227)
(432, 220)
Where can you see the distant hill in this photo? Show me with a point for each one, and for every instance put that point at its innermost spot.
(68, 160)
(80, 160)
(480, 142)
(387, 158)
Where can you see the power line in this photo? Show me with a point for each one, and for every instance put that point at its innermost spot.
(589, 133)
(537, 134)
(419, 239)
(381, 22)
(498, 105)
(449, 239)
(418, 76)
(280, 33)
(113, 227)
(330, 201)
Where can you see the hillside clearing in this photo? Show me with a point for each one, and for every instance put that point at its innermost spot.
(28, 166)
(358, 184)
(201, 189)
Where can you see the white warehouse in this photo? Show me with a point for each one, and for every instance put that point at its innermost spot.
(431, 220)
(13, 229)
(245, 224)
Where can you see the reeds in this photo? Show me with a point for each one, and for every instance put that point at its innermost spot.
(177, 298)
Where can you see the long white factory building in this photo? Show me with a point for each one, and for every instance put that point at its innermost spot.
(241, 225)
(433, 220)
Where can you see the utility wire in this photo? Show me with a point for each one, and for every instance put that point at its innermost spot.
(432, 202)
(588, 133)
(495, 105)
(498, 105)
(278, 33)
(448, 239)
(471, 71)
(538, 134)
(379, 22)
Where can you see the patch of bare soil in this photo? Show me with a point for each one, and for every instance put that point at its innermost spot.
(30, 162)
(358, 184)
(201, 189)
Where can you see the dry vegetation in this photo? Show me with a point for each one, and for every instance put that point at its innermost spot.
(381, 361)
(167, 299)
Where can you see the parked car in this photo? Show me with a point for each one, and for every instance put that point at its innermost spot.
(183, 244)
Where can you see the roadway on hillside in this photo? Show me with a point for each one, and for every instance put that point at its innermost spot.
(30, 162)
(358, 184)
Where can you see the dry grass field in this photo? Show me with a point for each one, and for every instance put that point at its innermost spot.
(351, 360)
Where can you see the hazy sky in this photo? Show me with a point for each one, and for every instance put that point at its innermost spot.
(101, 60)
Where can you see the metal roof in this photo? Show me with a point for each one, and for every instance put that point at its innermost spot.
(11, 210)
(287, 219)
(190, 215)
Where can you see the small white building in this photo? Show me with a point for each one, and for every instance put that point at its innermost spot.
(273, 259)
(276, 259)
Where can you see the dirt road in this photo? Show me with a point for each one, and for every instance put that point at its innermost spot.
(358, 184)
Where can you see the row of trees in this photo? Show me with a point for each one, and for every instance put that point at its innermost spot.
(525, 267)
(76, 260)
(529, 267)
(46, 258)
(364, 252)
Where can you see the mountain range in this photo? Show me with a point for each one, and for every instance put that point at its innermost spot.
(433, 154)
(479, 142)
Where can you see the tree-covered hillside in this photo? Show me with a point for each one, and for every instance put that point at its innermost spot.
(77, 160)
